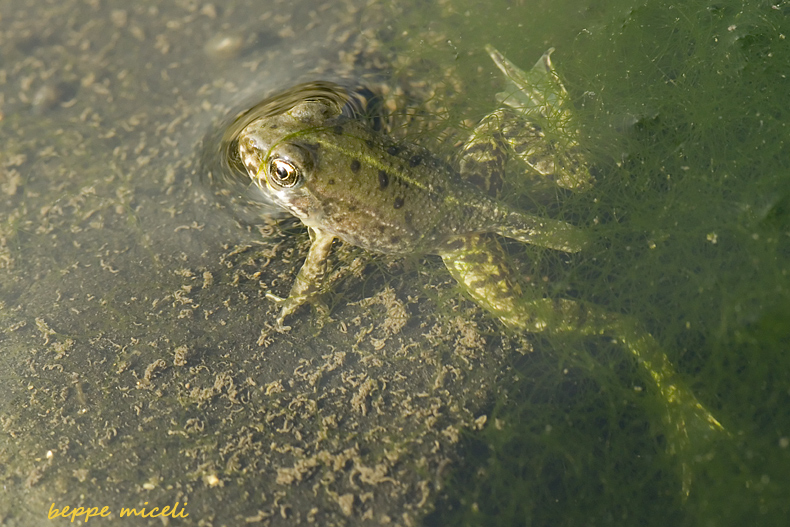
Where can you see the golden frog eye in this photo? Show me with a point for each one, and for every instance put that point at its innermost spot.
(283, 173)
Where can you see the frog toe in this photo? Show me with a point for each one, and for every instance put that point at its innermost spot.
(280, 326)
(280, 321)
(288, 307)
(274, 298)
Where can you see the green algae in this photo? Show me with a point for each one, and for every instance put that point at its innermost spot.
(682, 104)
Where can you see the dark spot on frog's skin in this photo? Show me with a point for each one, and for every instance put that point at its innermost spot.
(274, 126)
(478, 284)
(478, 148)
(338, 129)
(394, 240)
(476, 180)
(370, 143)
(488, 281)
(415, 160)
(497, 278)
(393, 150)
(454, 245)
(331, 181)
(495, 185)
(384, 180)
(476, 258)
(398, 202)
(355, 165)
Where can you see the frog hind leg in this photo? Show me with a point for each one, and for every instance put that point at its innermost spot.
(537, 93)
(689, 426)
(310, 278)
(543, 232)
(483, 162)
(477, 262)
(485, 155)
(545, 136)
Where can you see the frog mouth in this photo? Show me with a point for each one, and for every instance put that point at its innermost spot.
(301, 208)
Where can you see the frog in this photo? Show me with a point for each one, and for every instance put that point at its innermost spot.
(346, 180)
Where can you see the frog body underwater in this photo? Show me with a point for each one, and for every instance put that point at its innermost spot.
(344, 179)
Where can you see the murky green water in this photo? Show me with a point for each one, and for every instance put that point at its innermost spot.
(139, 362)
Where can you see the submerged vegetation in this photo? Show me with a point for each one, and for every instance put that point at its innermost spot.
(690, 207)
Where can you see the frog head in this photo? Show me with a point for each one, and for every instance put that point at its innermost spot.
(279, 158)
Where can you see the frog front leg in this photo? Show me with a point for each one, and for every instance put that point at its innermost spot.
(310, 278)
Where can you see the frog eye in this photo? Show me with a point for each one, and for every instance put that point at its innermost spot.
(283, 173)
